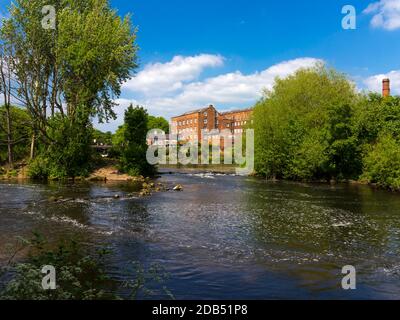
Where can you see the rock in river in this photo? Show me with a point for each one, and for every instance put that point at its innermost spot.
(178, 188)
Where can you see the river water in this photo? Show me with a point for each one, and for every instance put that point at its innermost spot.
(225, 237)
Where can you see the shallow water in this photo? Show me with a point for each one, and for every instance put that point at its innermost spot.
(226, 237)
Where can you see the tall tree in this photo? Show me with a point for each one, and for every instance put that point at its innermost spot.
(133, 159)
(5, 90)
(21, 132)
(303, 127)
(70, 73)
(75, 69)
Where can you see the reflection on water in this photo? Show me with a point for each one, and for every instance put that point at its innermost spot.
(226, 237)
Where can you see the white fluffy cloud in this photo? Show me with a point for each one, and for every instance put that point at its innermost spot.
(161, 78)
(386, 14)
(174, 87)
(230, 89)
(374, 83)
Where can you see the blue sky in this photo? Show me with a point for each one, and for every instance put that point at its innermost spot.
(193, 53)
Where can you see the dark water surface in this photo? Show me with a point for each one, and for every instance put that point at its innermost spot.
(226, 237)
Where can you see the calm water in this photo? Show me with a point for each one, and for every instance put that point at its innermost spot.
(226, 237)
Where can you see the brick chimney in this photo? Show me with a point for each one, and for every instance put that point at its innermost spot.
(386, 87)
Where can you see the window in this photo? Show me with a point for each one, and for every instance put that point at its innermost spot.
(205, 121)
(205, 114)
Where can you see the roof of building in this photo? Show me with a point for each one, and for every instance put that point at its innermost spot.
(220, 113)
(193, 112)
(236, 111)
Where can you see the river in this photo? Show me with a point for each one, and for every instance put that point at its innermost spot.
(224, 236)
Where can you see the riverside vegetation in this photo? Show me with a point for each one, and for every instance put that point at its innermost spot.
(313, 125)
(72, 75)
(81, 273)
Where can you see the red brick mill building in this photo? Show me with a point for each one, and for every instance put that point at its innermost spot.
(189, 126)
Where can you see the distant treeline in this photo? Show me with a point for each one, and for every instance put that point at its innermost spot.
(314, 125)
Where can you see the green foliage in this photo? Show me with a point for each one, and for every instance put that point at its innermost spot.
(376, 114)
(382, 163)
(118, 141)
(133, 156)
(344, 152)
(102, 137)
(378, 124)
(80, 274)
(96, 53)
(304, 127)
(69, 153)
(158, 123)
(314, 126)
(39, 168)
(70, 75)
(21, 133)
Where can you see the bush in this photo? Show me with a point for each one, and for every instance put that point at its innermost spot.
(68, 154)
(38, 168)
(382, 163)
(21, 132)
(80, 276)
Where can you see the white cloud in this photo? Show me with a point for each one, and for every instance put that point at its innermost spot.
(166, 92)
(161, 78)
(386, 14)
(374, 83)
(231, 88)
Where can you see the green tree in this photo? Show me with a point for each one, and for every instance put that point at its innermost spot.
(118, 141)
(102, 137)
(378, 128)
(68, 155)
(133, 158)
(158, 123)
(344, 150)
(303, 127)
(96, 53)
(20, 128)
(382, 163)
(72, 73)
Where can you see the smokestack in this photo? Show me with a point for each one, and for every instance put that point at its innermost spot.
(386, 88)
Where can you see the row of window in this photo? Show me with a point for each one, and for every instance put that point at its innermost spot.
(240, 123)
(194, 121)
(185, 122)
(188, 130)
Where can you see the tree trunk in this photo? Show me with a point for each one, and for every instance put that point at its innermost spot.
(9, 138)
(33, 147)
